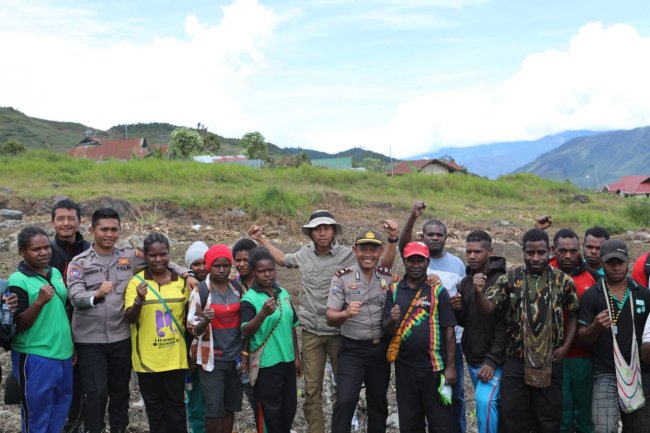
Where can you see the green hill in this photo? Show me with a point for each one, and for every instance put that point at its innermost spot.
(60, 136)
(594, 161)
(38, 133)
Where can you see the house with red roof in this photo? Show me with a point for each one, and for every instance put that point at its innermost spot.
(630, 185)
(430, 166)
(100, 149)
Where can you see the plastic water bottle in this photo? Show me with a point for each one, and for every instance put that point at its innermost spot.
(245, 379)
(7, 314)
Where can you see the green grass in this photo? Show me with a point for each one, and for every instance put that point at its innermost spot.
(294, 192)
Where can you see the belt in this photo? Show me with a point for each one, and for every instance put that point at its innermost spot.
(373, 342)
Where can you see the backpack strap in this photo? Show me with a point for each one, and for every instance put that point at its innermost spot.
(237, 286)
(203, 293)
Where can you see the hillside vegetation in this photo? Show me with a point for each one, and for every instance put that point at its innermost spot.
(592, 162)
(294, 192)
(38, 133)
(61, 136)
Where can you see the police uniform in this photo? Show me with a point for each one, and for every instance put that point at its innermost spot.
(362, 357)
(101, 333)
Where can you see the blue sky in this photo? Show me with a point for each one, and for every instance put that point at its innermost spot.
(400, 76)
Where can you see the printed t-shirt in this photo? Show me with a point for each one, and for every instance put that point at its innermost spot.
(279, 347)
(423, 340)
(156, 343)
(593, 302)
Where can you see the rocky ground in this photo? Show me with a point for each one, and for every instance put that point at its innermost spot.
(227, 226)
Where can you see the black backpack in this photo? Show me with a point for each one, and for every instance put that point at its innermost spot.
(203, 290)
(6, 331)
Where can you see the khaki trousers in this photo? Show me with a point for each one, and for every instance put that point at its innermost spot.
(315, 351)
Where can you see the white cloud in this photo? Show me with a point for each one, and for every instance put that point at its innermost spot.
(167, 79)
(598, 82)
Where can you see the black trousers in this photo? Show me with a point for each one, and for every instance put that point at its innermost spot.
(105, 374)
(75, 421)
(417, 400)
(528, 409)
(276, 398)
(361, 362)
(164, 400)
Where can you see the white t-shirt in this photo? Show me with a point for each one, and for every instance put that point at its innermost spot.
(451, 271)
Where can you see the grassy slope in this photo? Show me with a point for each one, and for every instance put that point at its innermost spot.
(292, 192)
(60, 136)
(38, 133)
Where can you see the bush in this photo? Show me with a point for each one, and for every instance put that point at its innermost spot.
(12, 148)
(639, 212)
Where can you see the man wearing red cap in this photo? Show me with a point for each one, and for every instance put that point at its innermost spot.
(318, 261)
(423, 320)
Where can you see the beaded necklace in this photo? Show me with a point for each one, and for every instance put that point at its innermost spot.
(616, 312)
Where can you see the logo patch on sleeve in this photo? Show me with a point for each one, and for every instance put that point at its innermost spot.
(74, 272)
(334, 287)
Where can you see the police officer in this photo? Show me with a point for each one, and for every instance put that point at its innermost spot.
(97, 280)
(355, 304)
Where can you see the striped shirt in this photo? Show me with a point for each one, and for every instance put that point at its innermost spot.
(423, 339)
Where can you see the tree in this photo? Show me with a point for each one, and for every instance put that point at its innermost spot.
(12, 147)
(155, 152)
(211, 142)
(184, 144)
(373, 164)
(255, 146)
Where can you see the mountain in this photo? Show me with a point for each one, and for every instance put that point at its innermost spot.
(356, 153)
(495, 159)
(594, 161)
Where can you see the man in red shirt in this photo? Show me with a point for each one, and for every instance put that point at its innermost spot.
(577, 364)
(641, 270)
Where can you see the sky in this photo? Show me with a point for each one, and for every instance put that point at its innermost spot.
(400, 77)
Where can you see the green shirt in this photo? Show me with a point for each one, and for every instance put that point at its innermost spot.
(50, 334)
(279, 347)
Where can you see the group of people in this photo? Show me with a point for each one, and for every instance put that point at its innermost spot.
(559, 344)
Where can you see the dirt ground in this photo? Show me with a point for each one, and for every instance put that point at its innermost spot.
(226, 227)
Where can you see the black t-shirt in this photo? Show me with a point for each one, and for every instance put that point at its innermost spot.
(420, 347)
(593, 302)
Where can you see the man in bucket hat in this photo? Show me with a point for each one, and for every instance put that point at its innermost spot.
(318, 261)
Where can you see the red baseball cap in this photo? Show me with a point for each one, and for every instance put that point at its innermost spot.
(416, 249)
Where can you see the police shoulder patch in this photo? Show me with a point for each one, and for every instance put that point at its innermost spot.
(343, 271)
(385, 271)
(74, 272)
(335, 286)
